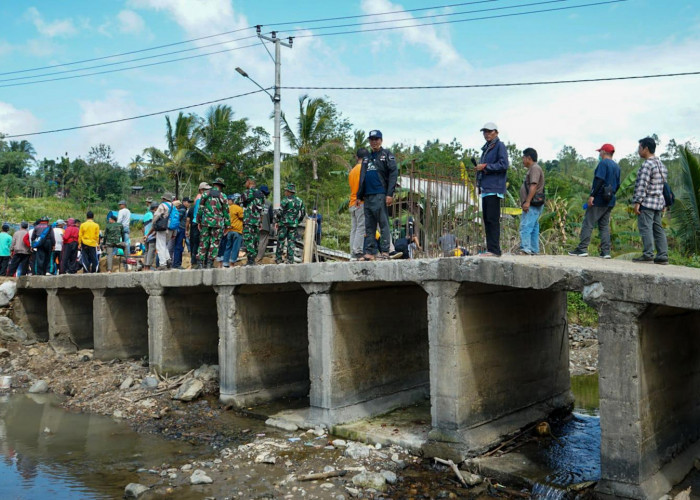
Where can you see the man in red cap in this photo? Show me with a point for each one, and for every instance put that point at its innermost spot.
(601, 200)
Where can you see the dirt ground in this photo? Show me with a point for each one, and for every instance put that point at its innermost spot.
(248, 459)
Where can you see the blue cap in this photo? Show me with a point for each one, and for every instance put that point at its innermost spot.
(375, 134)
(265, 190)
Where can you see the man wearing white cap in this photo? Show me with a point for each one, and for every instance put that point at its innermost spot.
(491, 174)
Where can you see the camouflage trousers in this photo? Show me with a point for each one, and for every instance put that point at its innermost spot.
(251, 238)
(286, 236)
(209, 240)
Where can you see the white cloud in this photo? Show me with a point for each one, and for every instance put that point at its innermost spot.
(426, 37)
(59, 27)
(202, 17)
(17, 121)
(130, 22)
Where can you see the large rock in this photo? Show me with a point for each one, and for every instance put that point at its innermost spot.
(9, 332)
(372, 480)
(134, 490)
(149, 383)
(199, 477)
(7, 293)
(281, 424)
(356, 451)
(188, 391)
(127, 383)
(39, 387)
(207, 372)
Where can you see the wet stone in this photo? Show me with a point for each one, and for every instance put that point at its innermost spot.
(39, 387)
(200, 477)
(149, 383)
(372, 480)
(134, 490)
(389, 476)
(190, 390)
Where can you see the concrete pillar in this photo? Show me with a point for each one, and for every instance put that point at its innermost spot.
(182, 328)
(263, 346)
(70, 319)
(649, 376)
(367, 349)
(30, 314)
(499, 360)
(120, 319)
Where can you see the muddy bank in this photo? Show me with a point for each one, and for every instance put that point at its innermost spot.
(247, 459)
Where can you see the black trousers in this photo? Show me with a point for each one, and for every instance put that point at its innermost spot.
(90, 258)
(19, 262)
(69, 258)
(194, 244)
(492, 223)
(4, 264)
(41, 261)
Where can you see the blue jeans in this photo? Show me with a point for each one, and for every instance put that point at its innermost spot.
(530, 230)
(233, 246)
(179, 247)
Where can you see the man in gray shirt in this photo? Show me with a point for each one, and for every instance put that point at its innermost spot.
(447, 243)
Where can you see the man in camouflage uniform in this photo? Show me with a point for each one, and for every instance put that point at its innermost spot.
(212, 218)
(252, 202)
(291, 212)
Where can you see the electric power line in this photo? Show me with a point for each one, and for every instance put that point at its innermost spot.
(430, 16)
(138, 51)
(129, 67)
(128, 60)
(455, 21)
(423, 87)
(490, 85)
(136, 117)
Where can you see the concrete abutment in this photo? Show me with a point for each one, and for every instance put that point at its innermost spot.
(649, 384)
(70, 318)
(264, 345)
(120, 319)
(29, 313)
(499, 361)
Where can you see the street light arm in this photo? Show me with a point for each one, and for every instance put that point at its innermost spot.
(246, 75)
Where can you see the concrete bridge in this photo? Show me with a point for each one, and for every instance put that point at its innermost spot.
(484, 339)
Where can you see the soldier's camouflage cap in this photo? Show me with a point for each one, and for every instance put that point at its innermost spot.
(291, 188)
(219, 181)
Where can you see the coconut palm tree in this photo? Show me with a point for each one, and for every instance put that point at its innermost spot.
(179, 160)
(686, 210)
(313, 135)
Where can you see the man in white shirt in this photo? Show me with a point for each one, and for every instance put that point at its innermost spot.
(58, 230)
(124, 218)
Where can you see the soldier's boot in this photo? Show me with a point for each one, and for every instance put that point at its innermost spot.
(251, 261)
(210, 263)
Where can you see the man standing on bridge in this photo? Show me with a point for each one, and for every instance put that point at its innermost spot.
(292, 212)
(601, 202)
(252, 201)
(212, 218)
(491, 175)
(378, 176)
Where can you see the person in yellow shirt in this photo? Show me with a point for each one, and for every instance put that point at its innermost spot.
(234, 233)
(357, 211)
(88, 239)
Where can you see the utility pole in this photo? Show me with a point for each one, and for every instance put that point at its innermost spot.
(277, 101)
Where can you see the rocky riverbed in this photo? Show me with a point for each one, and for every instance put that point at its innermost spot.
(248, 459)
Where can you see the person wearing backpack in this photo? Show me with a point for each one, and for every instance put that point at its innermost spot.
(650, 203)
(291, 213)
(161, 227)
(43, 241)
(601, 201)
(20, 251)
(89, 239)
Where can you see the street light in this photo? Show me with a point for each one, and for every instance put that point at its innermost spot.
(276, 100)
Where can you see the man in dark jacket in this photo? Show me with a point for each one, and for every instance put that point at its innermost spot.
(378, 176)
(491, 174)
(45, 241)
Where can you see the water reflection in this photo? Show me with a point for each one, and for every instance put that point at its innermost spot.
(585, 390)
(47, 451)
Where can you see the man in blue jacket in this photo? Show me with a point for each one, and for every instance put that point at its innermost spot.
(601, 202)
(491, 173)
(378, 176)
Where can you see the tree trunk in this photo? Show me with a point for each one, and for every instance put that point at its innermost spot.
(314, 168)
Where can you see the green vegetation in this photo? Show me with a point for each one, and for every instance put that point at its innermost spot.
(580, 313)
(323, 144)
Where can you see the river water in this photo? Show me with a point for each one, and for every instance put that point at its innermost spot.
(48, 452)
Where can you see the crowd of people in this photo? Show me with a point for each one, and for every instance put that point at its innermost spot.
(214, 227)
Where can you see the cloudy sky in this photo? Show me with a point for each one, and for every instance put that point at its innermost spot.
(633, 37)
